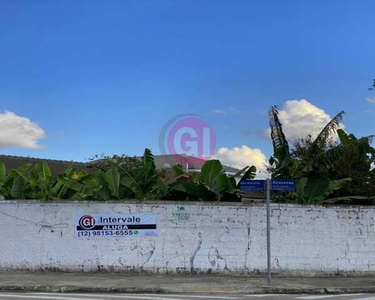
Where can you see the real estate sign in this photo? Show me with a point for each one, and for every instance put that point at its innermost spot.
(115, 225)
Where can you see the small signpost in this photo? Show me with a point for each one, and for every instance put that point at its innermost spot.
(252, 185)
(275, 185)
(268, 185)
(283, 185)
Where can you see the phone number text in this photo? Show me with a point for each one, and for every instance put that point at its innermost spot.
(88, 233)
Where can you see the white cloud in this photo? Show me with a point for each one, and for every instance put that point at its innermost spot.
(240, 157)
(299, 117)
(218, 111)
(16, 131)
(370, 99)
(231, 110)
(235, 110)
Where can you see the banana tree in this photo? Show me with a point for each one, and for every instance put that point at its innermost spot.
(143, 181)
(19, 183)
(313, 186)
(213, 184)
(281, 160)
(76, 185)
(6, 182)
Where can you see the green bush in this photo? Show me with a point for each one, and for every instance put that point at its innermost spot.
(114, 182)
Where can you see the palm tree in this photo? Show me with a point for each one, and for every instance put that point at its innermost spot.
(343, 170)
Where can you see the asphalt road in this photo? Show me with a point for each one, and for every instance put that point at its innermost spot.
(111, 296)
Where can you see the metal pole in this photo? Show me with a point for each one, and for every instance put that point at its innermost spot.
(268, 188)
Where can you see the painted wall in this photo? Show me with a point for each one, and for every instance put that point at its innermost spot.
(210, 237)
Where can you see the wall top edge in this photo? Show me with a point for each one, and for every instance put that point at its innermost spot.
(186, 203)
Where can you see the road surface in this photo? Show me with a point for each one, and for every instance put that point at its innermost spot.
(111, 296)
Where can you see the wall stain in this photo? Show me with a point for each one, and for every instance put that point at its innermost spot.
(192, 258)
(149, 254)
(214, 255)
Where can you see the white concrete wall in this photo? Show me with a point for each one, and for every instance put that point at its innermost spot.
(217, 238)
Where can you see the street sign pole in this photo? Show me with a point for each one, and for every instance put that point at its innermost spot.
(268, 188)
(275, 185)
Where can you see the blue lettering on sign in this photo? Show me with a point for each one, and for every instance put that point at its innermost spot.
(252, 185)
(283, 185)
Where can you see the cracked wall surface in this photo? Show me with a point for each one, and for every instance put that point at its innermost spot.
(192, 238)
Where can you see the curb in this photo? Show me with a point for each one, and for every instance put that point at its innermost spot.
(69, 289)
(158, 290)
(329, 290)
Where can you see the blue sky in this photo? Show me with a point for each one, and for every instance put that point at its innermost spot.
(105, 76)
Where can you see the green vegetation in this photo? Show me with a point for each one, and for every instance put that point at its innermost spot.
(326, 172)
(115, 181)
(332, 168)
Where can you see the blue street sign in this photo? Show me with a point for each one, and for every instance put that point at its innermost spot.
(252, 185)
(283, 185)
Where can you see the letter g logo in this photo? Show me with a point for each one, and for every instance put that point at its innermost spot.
(188, 134)
(86, 222)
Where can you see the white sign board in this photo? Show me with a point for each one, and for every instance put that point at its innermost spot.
(115, 225)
